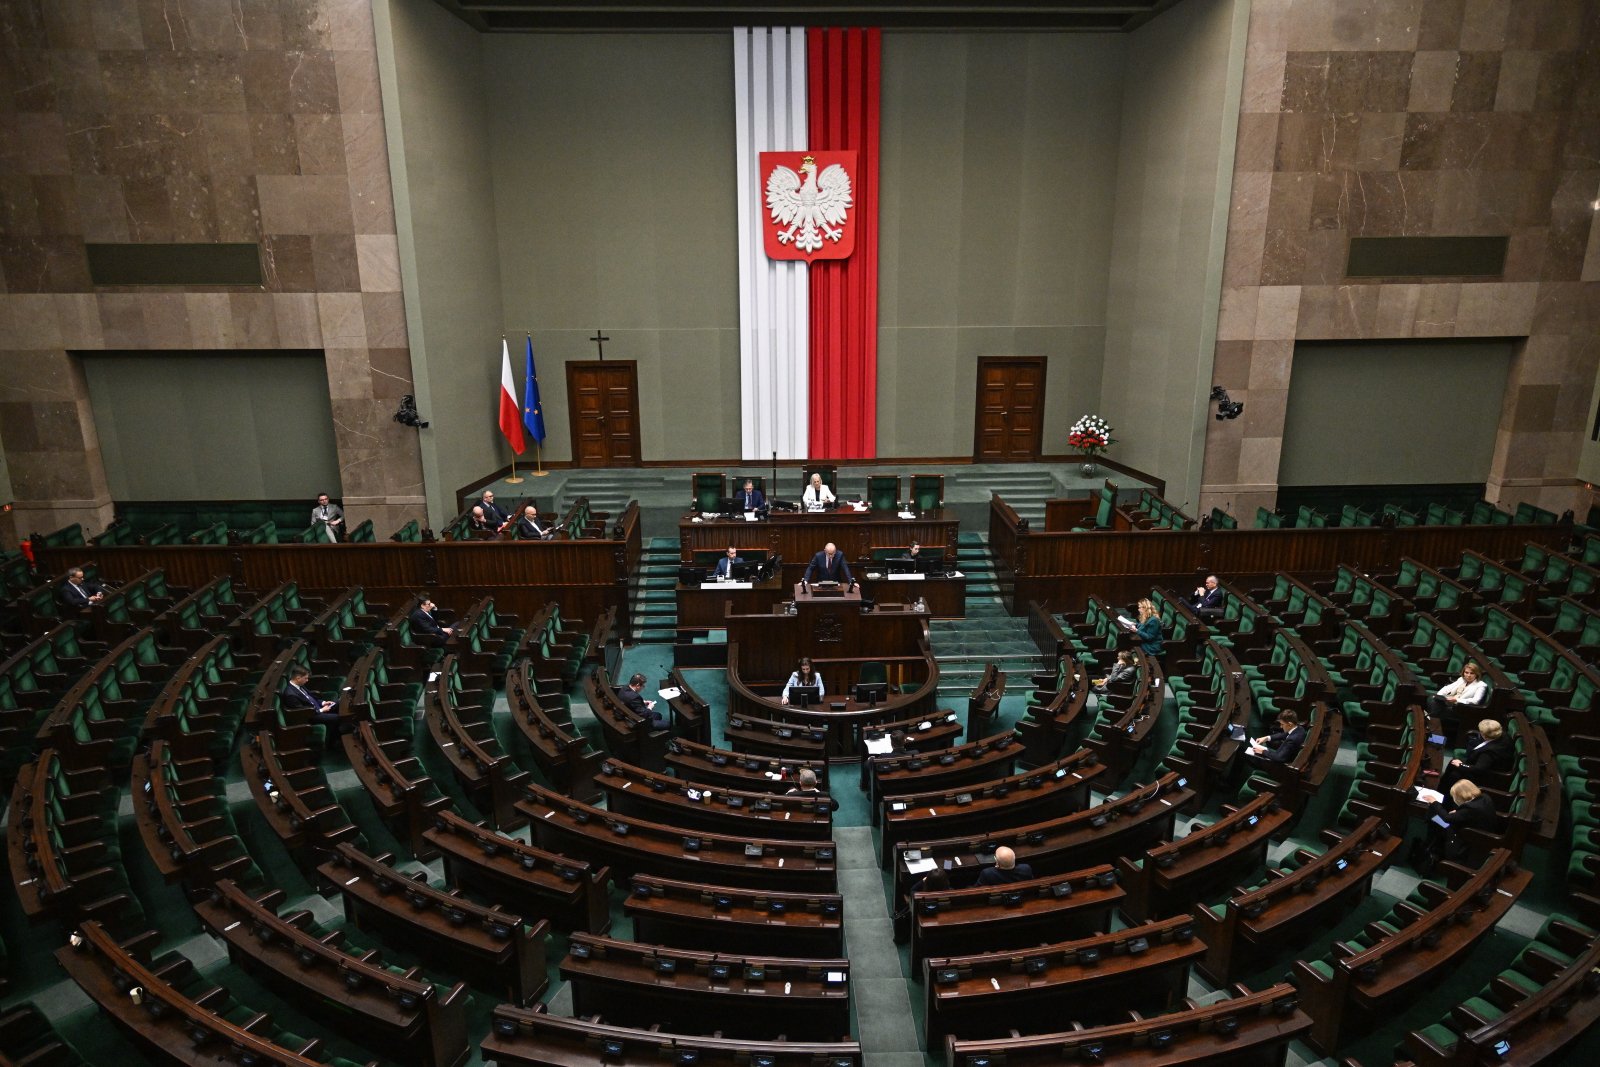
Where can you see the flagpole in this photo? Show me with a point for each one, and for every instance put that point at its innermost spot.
(515, 478)
(538, 452)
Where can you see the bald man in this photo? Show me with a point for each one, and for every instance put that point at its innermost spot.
(1006, 869)
(828, 566)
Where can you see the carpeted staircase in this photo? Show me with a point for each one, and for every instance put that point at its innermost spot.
(987, 635)
(654, 600)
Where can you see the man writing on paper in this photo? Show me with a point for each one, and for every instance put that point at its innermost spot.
(643, 710)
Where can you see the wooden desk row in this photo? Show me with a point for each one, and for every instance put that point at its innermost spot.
(687, 991)
(633, 790)
(176, 1007)
(633, 845)
(798, 536)
(536, 1037)
(1088, 980)
(1142, 816)
(586, 576)
(1251, 1029)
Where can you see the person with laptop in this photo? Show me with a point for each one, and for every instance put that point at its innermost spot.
(805, 677)
(828, 566)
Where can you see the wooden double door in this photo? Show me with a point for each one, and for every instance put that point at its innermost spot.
(603, 410)
(1010, 409)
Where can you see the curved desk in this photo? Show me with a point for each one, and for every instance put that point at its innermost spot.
(843, 718)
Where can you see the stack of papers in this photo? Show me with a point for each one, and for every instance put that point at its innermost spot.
(878, 746)
(670, 693)
(1429, 796)
(920, 866)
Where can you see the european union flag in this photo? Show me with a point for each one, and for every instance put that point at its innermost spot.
(532, 413)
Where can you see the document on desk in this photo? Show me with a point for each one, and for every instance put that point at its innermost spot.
(669, 693)
(880, 746)
(907, 577)
(1429, 796)
(749, 516)
(922, 866)
(729, 585)
(908, 514)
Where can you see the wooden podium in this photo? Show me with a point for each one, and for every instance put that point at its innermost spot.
(824, 627)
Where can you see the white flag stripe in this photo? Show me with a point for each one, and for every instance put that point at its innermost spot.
(774, 297)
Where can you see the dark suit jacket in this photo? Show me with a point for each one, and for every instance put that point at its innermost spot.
(1488, 756)
(724, 564)
(421, 620)
(814, 794)
(755, 500)
(999, 876)
(493, 513)
(633, 701)
(531, 530)
(1212, 600)
(819, 571)
(75, 596)
(292, 697)
(1284, 747)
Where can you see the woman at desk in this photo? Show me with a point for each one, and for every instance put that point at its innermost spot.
(806, 677)
(817, 495)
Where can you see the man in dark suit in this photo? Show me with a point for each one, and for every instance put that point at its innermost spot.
(750, 498)
(643, 710)
(725, 564)
(1491, 755)
(1209, 600)
(529, 528)
(828, 566)
(1006, 869)
(296, 694)
(80, 593)
(479, 522)
(425, 625)
(1281, 745)
(492, 511)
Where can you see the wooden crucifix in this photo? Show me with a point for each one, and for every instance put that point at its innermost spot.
(600, 340)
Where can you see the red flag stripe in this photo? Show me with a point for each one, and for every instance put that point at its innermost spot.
(844, 76)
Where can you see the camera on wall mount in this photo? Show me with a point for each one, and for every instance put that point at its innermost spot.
(407, 415)
(1226, 409)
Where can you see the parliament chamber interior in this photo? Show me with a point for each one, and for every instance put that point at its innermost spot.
(895, 534)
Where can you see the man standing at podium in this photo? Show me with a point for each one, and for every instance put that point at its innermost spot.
(828, 566)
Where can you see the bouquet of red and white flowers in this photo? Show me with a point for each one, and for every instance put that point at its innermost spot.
(1091, 435)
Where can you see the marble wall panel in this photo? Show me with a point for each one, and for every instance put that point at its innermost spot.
(148, 120)
(1415, 117)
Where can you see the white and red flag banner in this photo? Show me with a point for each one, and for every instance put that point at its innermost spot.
(806, 129)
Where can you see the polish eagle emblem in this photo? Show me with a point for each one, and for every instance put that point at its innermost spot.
(813, 206)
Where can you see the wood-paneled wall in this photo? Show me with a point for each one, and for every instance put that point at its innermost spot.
(585, 576)
(1065, 568)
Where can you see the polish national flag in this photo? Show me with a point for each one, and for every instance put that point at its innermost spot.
(510, 411)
